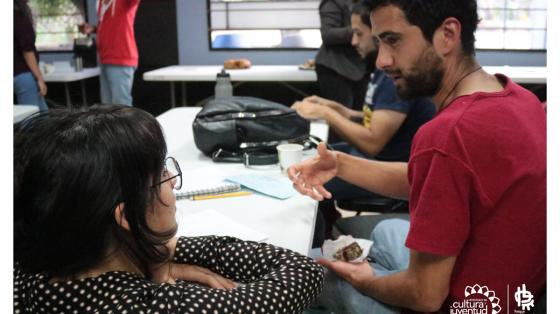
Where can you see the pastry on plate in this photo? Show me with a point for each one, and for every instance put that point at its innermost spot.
(237, 64)
(348, 253)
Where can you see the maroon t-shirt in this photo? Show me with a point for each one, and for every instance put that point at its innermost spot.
(24, 40)
(478, 191)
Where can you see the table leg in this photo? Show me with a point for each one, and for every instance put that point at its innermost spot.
(84, 97)
(183, 94)
(67, 92)
(173, 95)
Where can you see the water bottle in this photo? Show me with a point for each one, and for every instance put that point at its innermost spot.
(223, 85)
(78, 63)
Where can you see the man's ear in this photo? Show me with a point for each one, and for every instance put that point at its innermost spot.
(120, 217)
(447, 37)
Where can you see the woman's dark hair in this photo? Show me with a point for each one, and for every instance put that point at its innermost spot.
(71, 169)
(21, 7)
(429, 14)
(363, 11)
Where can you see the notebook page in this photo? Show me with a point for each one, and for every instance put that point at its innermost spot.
(211, 222)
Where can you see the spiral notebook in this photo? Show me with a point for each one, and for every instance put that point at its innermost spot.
(225, 187)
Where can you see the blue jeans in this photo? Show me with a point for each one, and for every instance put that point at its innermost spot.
(27, 91)
(116, 84)
(390, 256)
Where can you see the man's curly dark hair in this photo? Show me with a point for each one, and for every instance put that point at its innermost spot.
(429, 14)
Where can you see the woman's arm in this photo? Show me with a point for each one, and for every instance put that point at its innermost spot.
(169, 272)
(31, 61)
(265, 270)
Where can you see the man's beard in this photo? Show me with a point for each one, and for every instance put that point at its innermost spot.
(423, 79)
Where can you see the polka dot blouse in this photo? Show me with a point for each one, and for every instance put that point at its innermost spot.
(273, 280)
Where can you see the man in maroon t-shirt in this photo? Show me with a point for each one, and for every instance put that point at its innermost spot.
(476, 178)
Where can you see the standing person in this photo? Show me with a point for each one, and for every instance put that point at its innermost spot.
(117, 49)
(476, 178)
(342, 74)
(94, 228)
(29, 86)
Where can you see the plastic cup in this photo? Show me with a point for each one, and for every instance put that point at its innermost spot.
(289, 154)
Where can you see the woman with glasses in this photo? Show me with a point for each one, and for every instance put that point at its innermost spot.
(94, 226)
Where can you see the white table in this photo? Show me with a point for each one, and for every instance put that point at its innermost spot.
(520, 75)
(288, 223)
(68, 74)
(282, 74)
(23, 111)
(291, 73)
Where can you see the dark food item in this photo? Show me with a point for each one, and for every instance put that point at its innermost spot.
(349, 252)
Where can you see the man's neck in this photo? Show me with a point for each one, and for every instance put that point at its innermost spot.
(457, 75)
(465, 77)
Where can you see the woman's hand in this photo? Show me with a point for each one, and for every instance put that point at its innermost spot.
(42, 87)
(169, 272)
(201, 275)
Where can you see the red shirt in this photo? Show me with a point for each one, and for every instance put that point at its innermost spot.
(115, 32)
(478, 191)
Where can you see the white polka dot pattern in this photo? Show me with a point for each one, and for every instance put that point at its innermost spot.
(273, 280)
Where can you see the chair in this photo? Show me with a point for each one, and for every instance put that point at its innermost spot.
(378, 204)
(361, 226)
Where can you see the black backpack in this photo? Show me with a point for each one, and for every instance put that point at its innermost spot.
(247, 129)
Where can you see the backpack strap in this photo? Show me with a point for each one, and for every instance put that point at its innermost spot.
(249, 157)
(259, 156)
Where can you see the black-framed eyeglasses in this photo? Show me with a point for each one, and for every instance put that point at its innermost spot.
(171, 170)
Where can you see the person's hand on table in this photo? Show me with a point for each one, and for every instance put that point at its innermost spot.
(316, 99)
(309, 110)
(309, 175)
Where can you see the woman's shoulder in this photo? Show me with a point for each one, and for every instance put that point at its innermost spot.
(106, 292)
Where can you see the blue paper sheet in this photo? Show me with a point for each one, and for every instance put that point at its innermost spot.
(277, 188)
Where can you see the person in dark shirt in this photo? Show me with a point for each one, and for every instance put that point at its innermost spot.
(29, 86)
(342, 75)
(94, 228)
